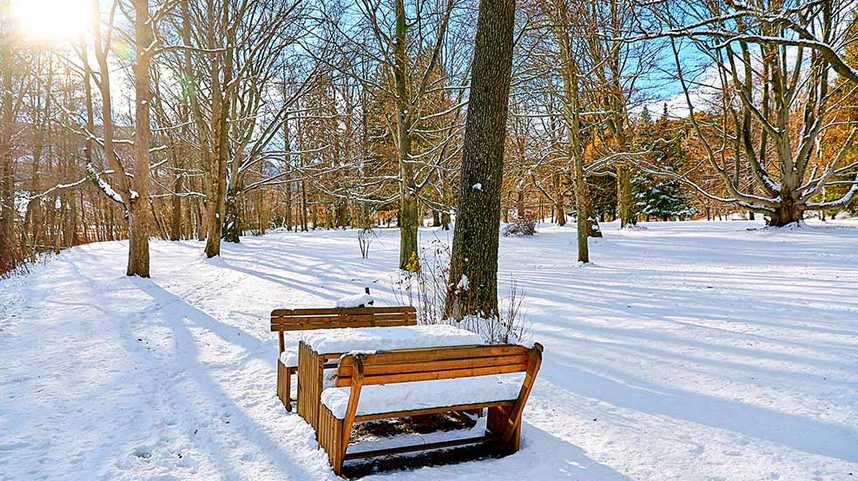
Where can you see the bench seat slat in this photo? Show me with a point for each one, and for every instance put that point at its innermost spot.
(371, 369)
(432, 354)
(435, 410)
(417, 447)
(436, 375)
(335, 310)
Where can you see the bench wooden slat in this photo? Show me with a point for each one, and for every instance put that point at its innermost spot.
(435, 375)
(431, 354)
(338, 317)
(335, 310)
(371, 369)
(435, 410)
(418, 447)
(338, 324)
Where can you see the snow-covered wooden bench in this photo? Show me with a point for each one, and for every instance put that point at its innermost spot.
(411, 382)
(285, 320)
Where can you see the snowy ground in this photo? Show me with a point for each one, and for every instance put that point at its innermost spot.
(692, 351)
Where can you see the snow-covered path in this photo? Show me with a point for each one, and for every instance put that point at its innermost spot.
(688, 351)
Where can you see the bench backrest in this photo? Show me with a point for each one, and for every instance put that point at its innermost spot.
(341, 317)
(407, 365)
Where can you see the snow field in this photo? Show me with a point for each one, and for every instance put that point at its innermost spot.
(686, 351)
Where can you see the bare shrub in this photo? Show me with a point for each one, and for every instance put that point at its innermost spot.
(510, 326)
(524, 225)
(365, 238)
(426, 290)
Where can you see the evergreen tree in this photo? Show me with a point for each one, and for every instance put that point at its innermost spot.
(658, 196)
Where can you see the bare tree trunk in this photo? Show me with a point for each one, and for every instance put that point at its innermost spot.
(7, 121)
(625, 201)
(474, 261)
(220, 112)
(559, 200)
(287, 147)
(408, 222)
(138, 219)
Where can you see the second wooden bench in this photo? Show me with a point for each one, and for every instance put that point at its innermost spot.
(287, 320)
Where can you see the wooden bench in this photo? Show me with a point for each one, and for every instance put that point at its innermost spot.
(384, 385)
(283, 320)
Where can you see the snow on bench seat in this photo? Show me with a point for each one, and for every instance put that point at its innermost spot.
(387, 338)
(289, 357)
(387, 398)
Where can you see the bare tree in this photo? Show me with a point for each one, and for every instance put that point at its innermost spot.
(474, 259)
(770, 72)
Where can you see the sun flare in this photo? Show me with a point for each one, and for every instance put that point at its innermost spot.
(52, 21)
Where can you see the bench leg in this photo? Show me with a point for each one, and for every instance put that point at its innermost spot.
(284, 385)
(503, 426)
(331, 439)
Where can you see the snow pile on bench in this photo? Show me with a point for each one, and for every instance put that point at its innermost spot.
(289, 357)
(361, 300)
(386, 338)
(387, 398)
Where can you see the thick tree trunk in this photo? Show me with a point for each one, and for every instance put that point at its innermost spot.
(303, 205)
(232, 228)
(582, 205)
(7, 207)
(288, 214)
(625, 201)
(138, 219)
(559, 200)
(570, 73)
(789, 212)
(408, 257)
(176, 214)
(287, 147)
(220, 112)
(474, 261)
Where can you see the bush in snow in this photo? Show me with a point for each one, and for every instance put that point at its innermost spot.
(426, 287)
(522, 226)
(365, 238)
(510, 326)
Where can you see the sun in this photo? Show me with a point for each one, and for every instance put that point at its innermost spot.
(52, 21)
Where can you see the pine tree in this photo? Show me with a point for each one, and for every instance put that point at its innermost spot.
(658, 196)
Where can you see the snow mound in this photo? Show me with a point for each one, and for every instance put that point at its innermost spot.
(361, 300)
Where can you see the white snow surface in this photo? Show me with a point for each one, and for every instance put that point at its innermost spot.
(364, 339)
(685, 352)
(386, 398)
(355, 301)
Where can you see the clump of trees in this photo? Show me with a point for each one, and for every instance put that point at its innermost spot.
(211, 119)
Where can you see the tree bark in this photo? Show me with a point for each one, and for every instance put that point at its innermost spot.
(138, 218)
(474, 262)
(559, 200)
(408, 221)
(220, 111)
(7, 201)
(625, 201)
